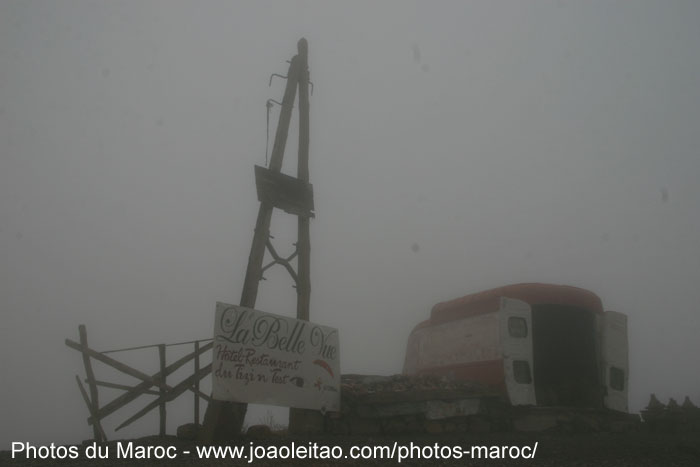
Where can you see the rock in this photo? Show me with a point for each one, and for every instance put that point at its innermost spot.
(479, 425)
(363, 426)
(306, 422)
(687, 404)
(188, 431)
(338, 427)
(535, 422)
(397, 425)
(585, 424)
(259, 431)
(654, 403)
(621, 427)
(433, 427)
(673, 405)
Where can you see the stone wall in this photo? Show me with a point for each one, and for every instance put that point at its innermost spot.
(411, 404)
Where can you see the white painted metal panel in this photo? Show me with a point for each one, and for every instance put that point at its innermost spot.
(517, 349)
(468, 340)
(615, 360)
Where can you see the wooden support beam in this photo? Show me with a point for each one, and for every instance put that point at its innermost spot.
(163, 373)
(223, 420)
(196, 383)
(123, 387)
(139, 389)
(178, 389)
(262, 225)
(303, 241)
(97, 425)
(117, 365)
(94, 401)
(298, 418)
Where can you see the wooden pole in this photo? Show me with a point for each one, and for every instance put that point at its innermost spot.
(223, 420)
(299, 419)
(262, 225)
(161, 356)
(94, 402)
(303, 240)
(196, 383)
(86, 398)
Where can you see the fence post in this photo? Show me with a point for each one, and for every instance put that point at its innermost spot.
(94, 402)
(196, 383)
(161, 354)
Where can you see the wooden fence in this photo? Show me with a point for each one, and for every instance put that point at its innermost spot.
(150, 385)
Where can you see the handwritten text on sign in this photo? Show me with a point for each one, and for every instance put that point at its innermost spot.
(263, 358)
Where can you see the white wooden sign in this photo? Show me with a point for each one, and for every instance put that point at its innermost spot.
(264, 358)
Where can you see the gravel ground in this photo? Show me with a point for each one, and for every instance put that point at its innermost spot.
(601, 449)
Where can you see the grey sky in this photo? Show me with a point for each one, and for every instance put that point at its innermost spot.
(510, 141)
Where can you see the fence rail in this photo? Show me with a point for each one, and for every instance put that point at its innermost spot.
(151, 385)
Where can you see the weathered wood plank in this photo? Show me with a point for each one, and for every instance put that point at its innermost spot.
(178, 389)
(124, 387)
(300, 419)
(163, 373)
(117, 365)
(139, 389)
(196, 384)
(290, 194)
(97, 426)
(94, 401)
(303, 238)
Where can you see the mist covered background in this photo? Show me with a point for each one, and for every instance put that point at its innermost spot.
(455, 147)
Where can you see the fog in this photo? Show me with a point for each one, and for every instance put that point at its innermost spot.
(455, 147)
